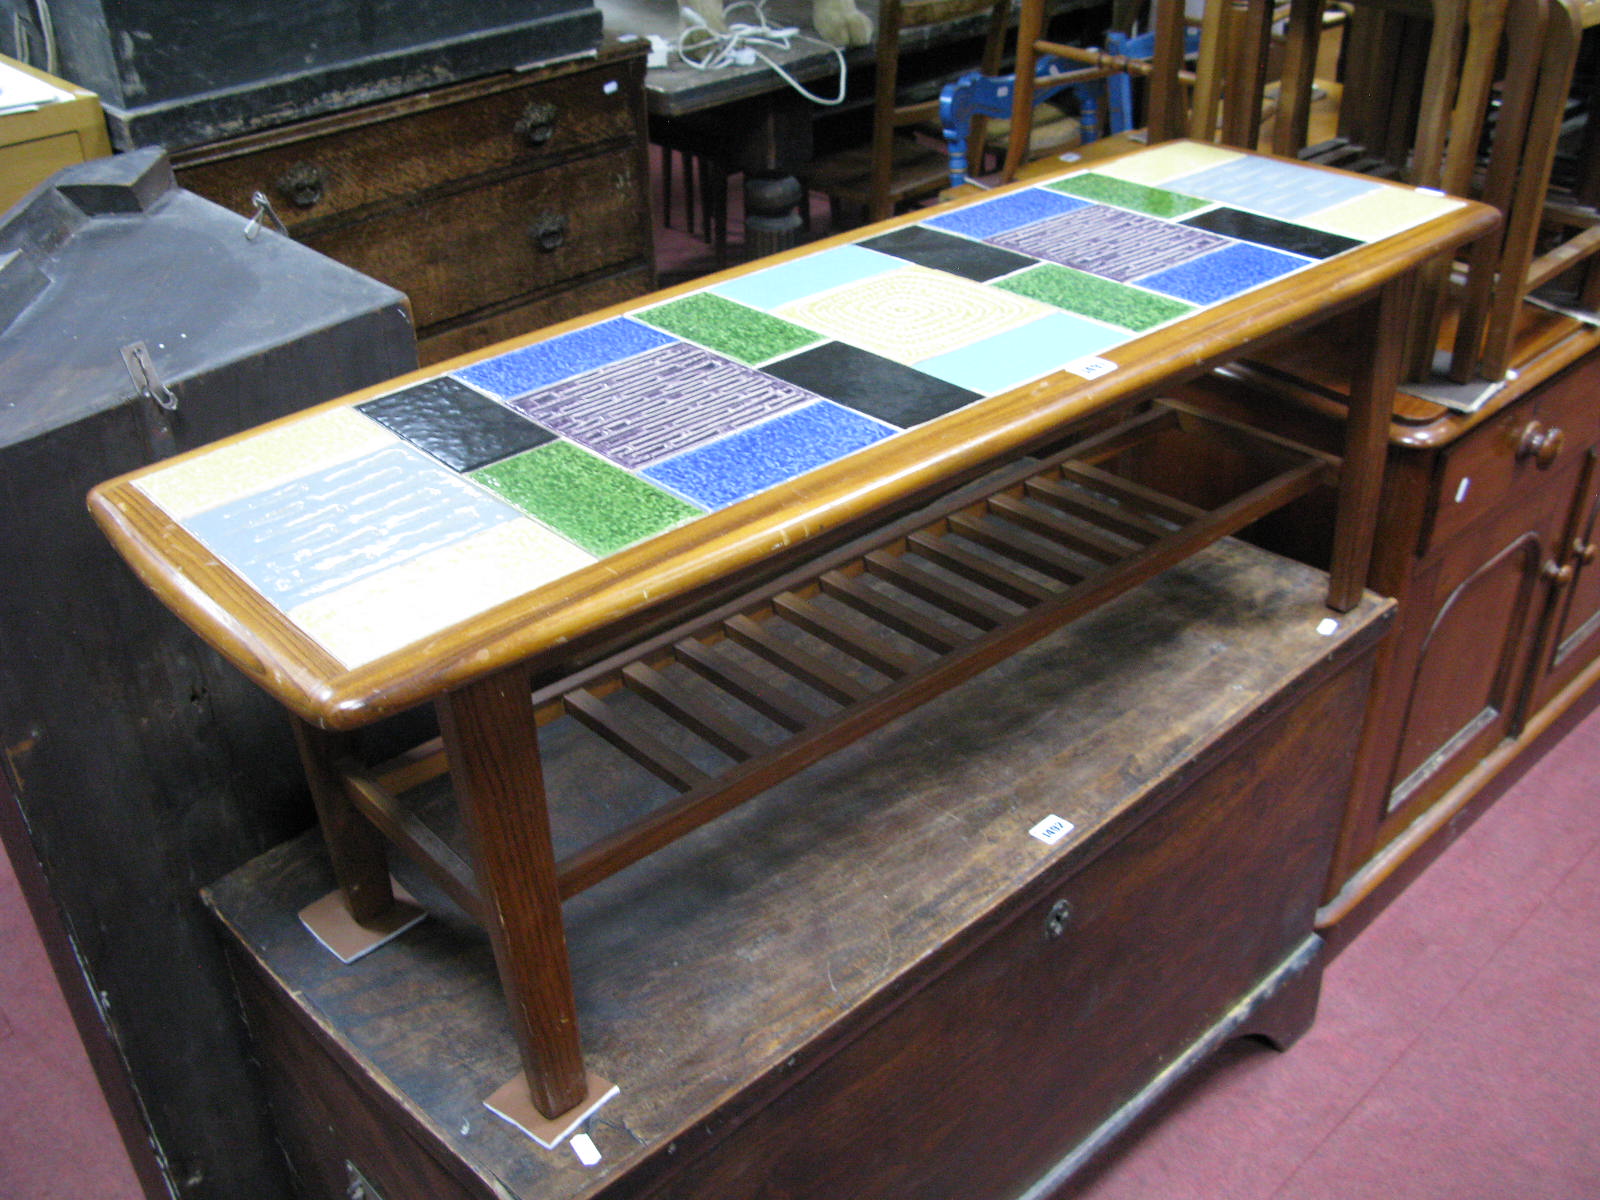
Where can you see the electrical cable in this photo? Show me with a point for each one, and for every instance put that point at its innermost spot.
(705, 49)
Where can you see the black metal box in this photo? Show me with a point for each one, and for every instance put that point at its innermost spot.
(137, 319)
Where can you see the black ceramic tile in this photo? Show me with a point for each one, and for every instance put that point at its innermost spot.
(946, 252)
(879, 387)
(458, 426)
(1268, 231)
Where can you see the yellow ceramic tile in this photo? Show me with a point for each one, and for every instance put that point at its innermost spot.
(1167, 161)
(914, 313)
(257, 463)
(388, 611)
(1381, 213)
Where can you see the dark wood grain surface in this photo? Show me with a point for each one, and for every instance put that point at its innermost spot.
(714, 974)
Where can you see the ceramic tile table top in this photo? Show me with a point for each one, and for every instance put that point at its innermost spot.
(369, 527)
(454, 536)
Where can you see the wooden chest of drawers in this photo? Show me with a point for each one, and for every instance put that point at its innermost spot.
(498, 206)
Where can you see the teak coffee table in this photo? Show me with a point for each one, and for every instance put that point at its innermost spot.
(737, 525)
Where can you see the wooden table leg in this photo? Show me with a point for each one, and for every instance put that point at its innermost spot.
(1372, 389)
(358, 852)
(492, 744)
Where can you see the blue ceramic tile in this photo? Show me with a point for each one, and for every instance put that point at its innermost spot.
(455, 424)
(330, 528)
(1219, 276)
(1000, 363)
(717, 475)
(1007, 212)
(520, 371)
(773, 286)
(1278, 189)
(658, 404)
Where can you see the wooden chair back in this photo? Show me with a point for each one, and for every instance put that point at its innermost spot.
(1220, 100)
(896, 168)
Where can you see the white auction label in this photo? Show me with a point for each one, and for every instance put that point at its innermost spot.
(1092, 367)
(1051, 830)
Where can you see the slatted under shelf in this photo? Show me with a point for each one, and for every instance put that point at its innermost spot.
(724, 706)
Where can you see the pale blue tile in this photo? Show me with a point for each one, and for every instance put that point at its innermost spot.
(332, 527)
(777, 285)
(1006, 360)
(1278, 189)
(764, 455)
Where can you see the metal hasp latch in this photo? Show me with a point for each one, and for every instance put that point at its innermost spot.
(136, 357)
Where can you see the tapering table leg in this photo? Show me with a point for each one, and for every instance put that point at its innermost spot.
(1372, 390)
(492, 744)
(359, 854)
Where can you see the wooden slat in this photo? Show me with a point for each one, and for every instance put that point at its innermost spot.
(427, 849)
(800, 663)
(745, 686)
(717, 728)
(1061, 529)
(1097, 508)
(949, 594)
(1021, 546)
(1147, 498)
(635, 741)
(984, 572)
(887, 611)
(861, 644)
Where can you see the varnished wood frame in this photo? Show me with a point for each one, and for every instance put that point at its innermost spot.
(482, 674)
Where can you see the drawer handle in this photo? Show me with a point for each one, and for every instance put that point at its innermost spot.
(1560, 574)
(548, 231)
(1584, 551)
(537, 124)
(1060, 916)
(1540, 444)
(302, 185)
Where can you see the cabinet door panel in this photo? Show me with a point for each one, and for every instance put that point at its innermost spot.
(1574, 636)
(1470, 662)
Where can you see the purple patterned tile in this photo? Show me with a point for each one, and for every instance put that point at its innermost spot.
(659, 404)
(1110, 242)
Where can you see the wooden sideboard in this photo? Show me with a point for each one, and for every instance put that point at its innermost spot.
(498, 206)
(871, 980)
(1486, 537)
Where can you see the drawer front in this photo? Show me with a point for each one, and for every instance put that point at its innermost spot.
(1513, 456)
(475, 249)
(354, 167)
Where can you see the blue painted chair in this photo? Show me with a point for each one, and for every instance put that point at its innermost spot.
(975, 94)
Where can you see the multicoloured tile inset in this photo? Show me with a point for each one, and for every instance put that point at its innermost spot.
(374, 526)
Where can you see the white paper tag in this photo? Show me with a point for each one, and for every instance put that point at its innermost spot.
(1092, 367)
(588, 1153)
(1327, 627)
(610, 87)
(1051, 830)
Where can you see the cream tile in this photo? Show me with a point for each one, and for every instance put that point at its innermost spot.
(1167, 161)
(255, 464)
(385, 612)
(1382, 213)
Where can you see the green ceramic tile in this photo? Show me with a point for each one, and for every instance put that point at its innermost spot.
(1091, 296)
(1155, 202)
(599, 507)
(746, 334)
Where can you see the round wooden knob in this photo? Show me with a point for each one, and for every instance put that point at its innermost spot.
(1540, 444)
(548, 231)
(537, 124)
(1558, 574)
(302, 185)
